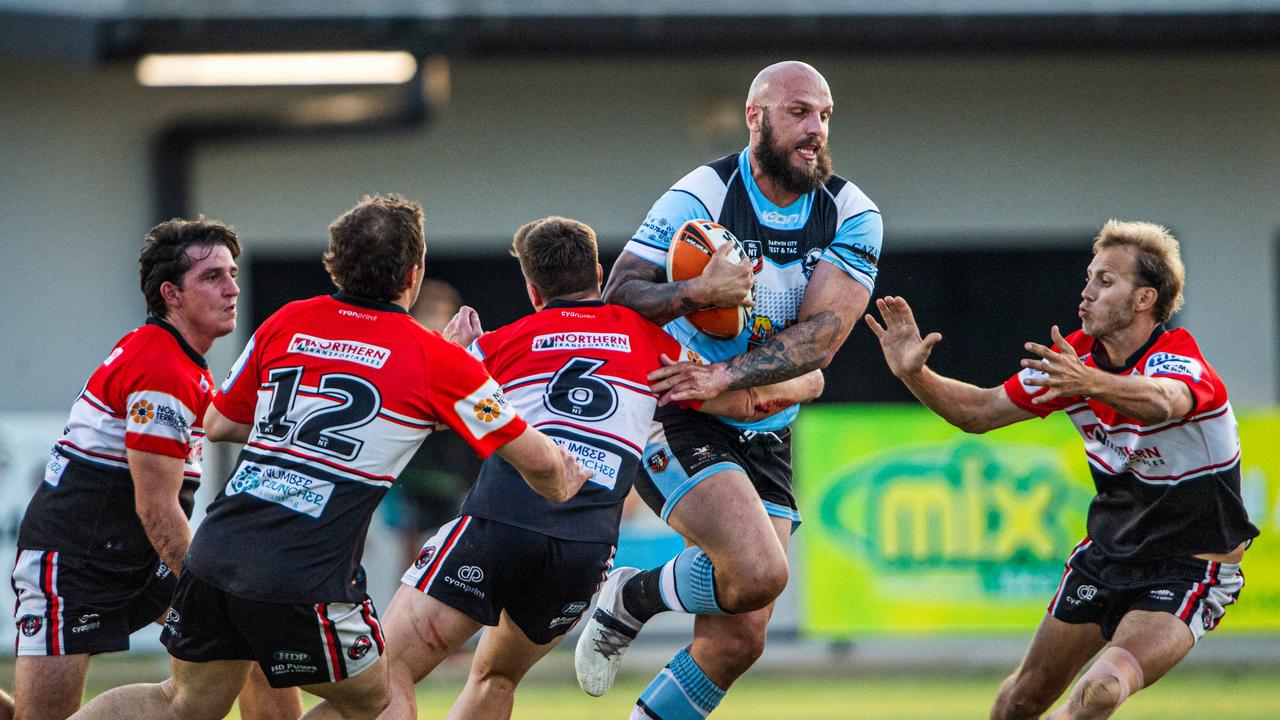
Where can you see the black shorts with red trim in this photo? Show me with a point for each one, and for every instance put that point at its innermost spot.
(70, 604)
(293, 643)
(482, 567)
(1097, 590)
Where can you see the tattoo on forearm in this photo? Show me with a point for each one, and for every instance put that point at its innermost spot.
(791, 353)
(642, 286)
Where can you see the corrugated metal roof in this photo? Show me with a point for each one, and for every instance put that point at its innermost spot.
(95, 30)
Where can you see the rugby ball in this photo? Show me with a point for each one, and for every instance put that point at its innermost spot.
(691, 249)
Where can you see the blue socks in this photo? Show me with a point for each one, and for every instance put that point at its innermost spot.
(680, 692)
(685, 584)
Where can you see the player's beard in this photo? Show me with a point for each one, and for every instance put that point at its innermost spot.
(775, 162)
(1110, 321)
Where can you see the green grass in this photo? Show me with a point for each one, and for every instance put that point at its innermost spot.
(1248, 696)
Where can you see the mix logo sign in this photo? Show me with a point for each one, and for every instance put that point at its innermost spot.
(978, 506)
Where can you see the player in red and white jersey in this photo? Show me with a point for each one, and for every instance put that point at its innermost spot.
(331, 396)
(527, 568)
(1168, 528)
(104, 536)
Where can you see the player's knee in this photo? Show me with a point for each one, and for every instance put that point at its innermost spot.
(1098, 696)
(1023, 695)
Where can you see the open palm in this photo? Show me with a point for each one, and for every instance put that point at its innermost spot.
(904, 350)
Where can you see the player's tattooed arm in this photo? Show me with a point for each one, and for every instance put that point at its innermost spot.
(642, 286)
(833, 302)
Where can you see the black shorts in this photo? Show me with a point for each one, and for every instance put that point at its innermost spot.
(686, 447)
(481, 567)
(1100, 591)
(293, 643)
(70, 604)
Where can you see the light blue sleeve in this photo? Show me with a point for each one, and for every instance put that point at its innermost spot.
(856, 247)
(673, 209)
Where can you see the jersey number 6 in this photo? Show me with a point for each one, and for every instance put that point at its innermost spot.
(575, 392)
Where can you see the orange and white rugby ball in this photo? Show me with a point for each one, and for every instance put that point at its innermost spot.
(691, 249)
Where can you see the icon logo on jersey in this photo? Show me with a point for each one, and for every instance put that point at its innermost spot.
(30, 624)
(756, 252)
(777, 219)
(488, 410)
(658, 461)
(114, 354)
(1162, 594)
(574, 608)
(701, 453)
(360, 647)
(1163, 363)
(811, 259)
(142, 412)
(470, 573)
(582, 341)
(1086, 592)
(484, 410)
(291, 489)
(246, 478)
(349, 350)
(424, 556)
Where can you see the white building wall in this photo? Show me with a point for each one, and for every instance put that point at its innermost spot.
(954, 148)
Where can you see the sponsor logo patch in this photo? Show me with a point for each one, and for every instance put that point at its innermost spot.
(1086, 592)
(167, 416)
(604, 465)
(290, 655)
(1162, 594)
(349, 350)
(1163, 363)
(485, 409)
(574, 608)
(298, 492)
(470, 573)
(620, 342)
(142, 412)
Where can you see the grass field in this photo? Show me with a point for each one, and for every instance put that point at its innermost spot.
(1247, 696)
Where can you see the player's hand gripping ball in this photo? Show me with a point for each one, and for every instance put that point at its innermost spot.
(691, 249)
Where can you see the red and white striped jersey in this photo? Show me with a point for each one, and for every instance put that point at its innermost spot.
(339, 392)
(577, 371)
(1164, 489)
(148, 395)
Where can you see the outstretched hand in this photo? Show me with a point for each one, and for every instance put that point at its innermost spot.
(1064, 374)
(464, 327)
(682, 381)
(904, 350)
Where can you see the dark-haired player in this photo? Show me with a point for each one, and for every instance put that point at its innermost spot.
(815, 240)
(331, 396)
(105, 533)
(527, 568)
(1167, 529)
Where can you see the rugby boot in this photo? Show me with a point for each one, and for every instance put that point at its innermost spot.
(606, 636)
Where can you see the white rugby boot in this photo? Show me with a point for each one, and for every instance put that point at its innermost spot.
(607, 635)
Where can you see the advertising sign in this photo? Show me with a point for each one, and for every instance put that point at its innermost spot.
(914, 527)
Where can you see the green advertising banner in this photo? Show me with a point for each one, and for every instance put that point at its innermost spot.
(913, 527)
